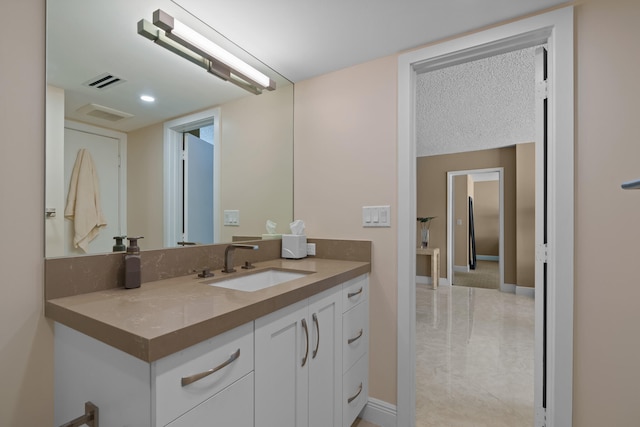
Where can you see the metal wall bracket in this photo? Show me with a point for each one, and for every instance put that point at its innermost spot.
(631, 185)
(90, 417)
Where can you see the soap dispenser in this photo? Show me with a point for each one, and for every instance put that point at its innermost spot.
(119, 246)
(132, 265)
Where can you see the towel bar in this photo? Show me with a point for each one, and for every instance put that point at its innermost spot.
(90, 417)
(631, 185)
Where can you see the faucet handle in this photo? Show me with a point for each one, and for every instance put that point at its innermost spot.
(248, 266)
(206, 272)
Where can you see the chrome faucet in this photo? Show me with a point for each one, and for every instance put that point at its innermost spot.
(228, 255)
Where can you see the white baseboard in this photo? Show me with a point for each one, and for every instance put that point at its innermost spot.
(508, 288)
(487, 258)
(522, 290)
(379, 412)
(427, 280)
(424, 280)
(461, 268)
(518, 290)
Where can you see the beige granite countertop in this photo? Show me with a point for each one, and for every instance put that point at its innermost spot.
(166, 316)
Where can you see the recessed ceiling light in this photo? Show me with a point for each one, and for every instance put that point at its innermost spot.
(147, 98)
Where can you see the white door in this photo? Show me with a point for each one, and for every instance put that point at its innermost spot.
(325, 366)
(105, 152)
(282, 356)
(198, 190)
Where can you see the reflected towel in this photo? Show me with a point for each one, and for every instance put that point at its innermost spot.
(83, 201)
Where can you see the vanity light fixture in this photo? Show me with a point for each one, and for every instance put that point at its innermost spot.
(188, 43)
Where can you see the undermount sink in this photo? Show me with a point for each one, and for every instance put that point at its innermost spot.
(256, 281)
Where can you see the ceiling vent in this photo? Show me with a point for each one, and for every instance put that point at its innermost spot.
(104, 113)
(104, 81)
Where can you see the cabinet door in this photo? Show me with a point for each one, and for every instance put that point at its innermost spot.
(233, 406)
(325, 367)
(282, 357)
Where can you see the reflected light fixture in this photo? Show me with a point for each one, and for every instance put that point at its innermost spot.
(147, 98)
(175, 36)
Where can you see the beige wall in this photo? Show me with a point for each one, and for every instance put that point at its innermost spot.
(432, 197)
(26, 338)
(486, 217)
(607, 242)
(256, 134)
(606, 353)
(145, 201)
(525, 214)
(54, 179)
(345, 158)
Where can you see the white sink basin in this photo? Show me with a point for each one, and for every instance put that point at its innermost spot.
(257, 281)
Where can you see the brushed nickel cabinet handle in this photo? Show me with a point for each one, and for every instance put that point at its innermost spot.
(315, 320)
(353, 294)
(352, 398)
(354, 339)
(306, 333)
(193, 378)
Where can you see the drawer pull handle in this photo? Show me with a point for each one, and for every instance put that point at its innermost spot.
(352, 340)
(352, 398)
(306, 333)
(353, 294)
(315, 320)
(193, 378)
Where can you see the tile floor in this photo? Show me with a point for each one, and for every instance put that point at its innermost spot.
(474, 352)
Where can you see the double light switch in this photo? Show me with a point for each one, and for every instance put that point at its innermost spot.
(376, 216)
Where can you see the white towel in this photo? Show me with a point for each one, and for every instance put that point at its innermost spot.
(83, 201)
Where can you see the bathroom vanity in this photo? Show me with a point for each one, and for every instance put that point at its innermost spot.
(186, 352)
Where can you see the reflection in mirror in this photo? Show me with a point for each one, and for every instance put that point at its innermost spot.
(238, 147)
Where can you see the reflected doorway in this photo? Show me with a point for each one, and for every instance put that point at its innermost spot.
(192, 179)
(197, 186)
(476, 226)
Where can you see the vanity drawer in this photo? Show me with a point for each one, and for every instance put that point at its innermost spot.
(355, 390)
(233, 406)
(355, 335)
(354, 292)
(218, 354)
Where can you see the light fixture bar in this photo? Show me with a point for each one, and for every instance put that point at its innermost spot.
(187, 37)
(217, 68)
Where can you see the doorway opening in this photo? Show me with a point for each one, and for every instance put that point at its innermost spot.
(192, 179)
(475, 228)
(556, 29)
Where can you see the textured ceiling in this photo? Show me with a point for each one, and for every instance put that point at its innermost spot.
(482, 104)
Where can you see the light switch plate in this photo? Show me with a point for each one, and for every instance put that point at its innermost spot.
(376, 216)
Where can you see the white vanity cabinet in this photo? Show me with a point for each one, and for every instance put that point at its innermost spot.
(305, 365)
(355, 347)
(296, 387)
(171, 391)
(298, 371)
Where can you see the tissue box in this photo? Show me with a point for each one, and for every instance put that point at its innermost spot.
(294, 246)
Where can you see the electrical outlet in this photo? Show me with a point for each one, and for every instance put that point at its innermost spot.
(311, 248)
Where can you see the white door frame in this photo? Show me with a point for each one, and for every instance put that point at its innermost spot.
(451, 221)
(555, 28)
(172, 172)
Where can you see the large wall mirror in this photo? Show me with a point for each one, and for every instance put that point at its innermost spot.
(203, 163)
